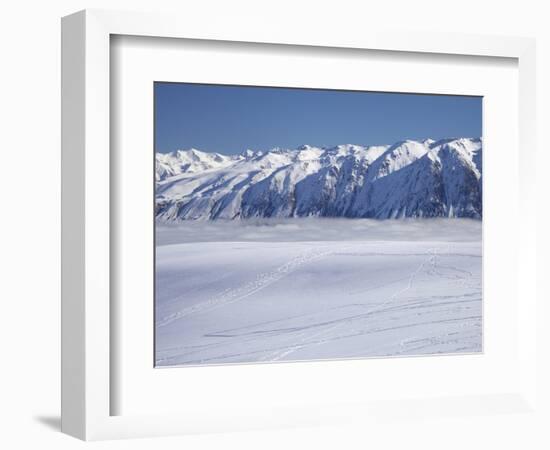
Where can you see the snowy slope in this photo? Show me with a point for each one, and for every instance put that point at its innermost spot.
(305, 289)
(188, 161)
(407, 179)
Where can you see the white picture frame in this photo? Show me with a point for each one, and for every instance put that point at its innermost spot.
(87, 325)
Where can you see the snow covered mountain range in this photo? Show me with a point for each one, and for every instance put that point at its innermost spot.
(407, 179)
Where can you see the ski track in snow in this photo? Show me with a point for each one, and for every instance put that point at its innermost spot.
(305, 338)
(297, 334)
(233, 295)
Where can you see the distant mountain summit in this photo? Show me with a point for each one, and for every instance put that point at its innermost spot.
(407, 179)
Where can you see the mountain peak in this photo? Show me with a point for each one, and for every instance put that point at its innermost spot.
(407, 179)
(249, 153)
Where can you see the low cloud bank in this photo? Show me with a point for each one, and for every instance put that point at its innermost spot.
(314, 229)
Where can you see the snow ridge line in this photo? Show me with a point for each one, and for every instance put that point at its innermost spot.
(406, 179)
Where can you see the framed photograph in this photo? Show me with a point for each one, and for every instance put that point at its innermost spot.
(266, 229)
(270, 250)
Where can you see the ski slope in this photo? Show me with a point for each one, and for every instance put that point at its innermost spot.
(303, 289)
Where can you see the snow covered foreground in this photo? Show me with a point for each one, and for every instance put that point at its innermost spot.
(305, 289)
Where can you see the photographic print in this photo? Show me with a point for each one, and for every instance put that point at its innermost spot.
(297, 224)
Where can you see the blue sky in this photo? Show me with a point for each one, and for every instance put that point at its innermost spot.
(230, 119)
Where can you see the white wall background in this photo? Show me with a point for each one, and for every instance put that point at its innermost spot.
(29, 246)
